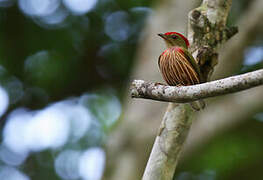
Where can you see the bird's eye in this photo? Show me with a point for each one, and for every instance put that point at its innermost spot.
(174, 37)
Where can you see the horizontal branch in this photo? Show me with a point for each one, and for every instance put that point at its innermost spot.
(183, 94)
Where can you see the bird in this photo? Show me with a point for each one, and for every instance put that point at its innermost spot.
(177, 65)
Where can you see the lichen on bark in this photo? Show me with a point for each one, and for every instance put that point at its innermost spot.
(207, 30)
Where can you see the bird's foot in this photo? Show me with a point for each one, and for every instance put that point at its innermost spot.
(157, 83)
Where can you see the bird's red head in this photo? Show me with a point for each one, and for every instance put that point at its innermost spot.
(175, 39)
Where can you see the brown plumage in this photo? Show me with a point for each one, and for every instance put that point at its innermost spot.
(176, 68)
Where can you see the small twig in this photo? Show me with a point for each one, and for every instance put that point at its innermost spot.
(183, 94)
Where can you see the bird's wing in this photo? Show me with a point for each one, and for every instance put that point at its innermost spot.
(193, 62)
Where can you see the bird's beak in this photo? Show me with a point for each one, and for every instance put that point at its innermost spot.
(162, 36)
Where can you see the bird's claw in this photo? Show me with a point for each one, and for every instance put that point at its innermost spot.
(157, 83)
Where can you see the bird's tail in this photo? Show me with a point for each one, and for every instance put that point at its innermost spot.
(198, 105)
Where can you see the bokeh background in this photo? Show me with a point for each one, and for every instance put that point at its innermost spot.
(65, 112)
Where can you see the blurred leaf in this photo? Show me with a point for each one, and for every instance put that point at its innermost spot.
(105, 107)
(47, 70)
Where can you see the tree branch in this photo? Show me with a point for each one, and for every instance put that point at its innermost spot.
(206, 25)
(183, 94)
